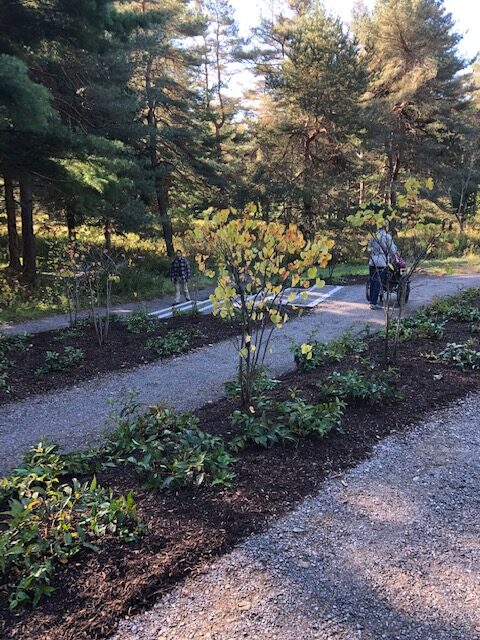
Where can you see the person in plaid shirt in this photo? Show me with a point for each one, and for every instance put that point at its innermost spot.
(180, 273)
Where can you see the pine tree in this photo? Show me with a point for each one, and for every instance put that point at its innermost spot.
(311, 110)
(410, 48)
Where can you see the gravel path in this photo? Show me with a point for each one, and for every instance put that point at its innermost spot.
(75, 417)
(389, 550)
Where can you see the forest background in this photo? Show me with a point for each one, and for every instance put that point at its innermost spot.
(121, 122)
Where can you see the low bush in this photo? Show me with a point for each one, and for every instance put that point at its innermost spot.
(285, 422)
(54, 361)
(12, 343)
(458, 308)
(354, 385)
(313, 354)
(174, 342)
(419, 326)
(74, 333)
(169, 449)
(463, 356)
(49, 521)
(140, 322)
(261, 384)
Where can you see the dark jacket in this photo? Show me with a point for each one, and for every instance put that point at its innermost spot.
(180, 270)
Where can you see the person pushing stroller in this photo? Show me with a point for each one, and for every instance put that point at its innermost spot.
(383, 251)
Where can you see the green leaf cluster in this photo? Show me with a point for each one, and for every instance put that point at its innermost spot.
(48, 521)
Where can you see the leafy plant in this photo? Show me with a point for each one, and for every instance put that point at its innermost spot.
(419, 326)
(458, 308)
(354, 385)
(285, 422)
(463, 356)
(262, 383)
(49, 521)
(55, 361)
(9, 343)
(313, 354)
(169, 449)
(174, 342)
(258, 430)
(304, 419)
(141, 322)
(72, 333)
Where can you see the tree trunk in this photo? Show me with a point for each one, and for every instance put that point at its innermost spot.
(162, 188)
(13, 247)
(28, 237)
(71, 224)
(393, 169)
(107, 232)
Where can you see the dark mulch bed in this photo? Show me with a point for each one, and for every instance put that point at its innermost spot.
(123, 350)
(189, 527)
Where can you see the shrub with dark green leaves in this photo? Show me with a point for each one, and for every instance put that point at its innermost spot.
(12, 343)
(141, 322)
(262, 383)
(174, 342)
(463, 356)
(354, 385)
(458, 308)
(73, 333)
(418, 326)
(169, 449)
(313, 353)
(55, 361)
(48, 521)
(285, 422)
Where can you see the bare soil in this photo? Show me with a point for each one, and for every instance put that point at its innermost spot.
(188, 527)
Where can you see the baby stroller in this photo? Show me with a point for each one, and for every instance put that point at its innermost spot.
(397, 282)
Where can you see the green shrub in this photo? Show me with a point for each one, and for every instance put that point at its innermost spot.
(73, 333)
(313, 354)
(9, 343)
(463, 356)
(304, 419)
(141, 322)
(258, 430)
(261, 384)
(354, 385)
(55, 361)
(174, 342)
(419, 326)
(285, 422)
(458, 308)
(49, 521)
(169, 449)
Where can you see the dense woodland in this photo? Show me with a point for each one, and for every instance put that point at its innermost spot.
(124, 116)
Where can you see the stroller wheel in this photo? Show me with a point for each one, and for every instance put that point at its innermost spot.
(403, 292)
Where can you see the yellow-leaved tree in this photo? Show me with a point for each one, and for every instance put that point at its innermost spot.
(256, 262)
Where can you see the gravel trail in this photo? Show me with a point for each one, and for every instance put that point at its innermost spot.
(388, 550)
(75, 417)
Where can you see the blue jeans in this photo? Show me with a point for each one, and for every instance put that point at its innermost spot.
(378, 278)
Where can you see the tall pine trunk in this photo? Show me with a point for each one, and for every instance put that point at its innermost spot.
(13, 247)
(107, 232)
(162, 183)
(28, 237)
(162, 187)
(71, 224)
